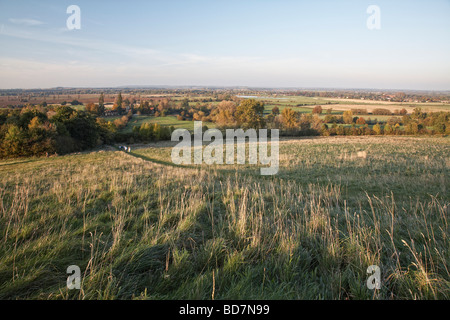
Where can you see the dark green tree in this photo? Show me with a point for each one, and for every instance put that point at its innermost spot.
(101, 100)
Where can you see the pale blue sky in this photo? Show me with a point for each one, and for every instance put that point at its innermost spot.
(243, 43)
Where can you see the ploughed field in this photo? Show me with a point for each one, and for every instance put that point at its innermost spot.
(140, 227)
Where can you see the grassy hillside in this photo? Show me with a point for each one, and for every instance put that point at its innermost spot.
(140, 227)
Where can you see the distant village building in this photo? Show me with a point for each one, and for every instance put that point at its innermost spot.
(110, 113)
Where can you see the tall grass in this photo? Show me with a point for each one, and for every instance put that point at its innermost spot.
(143, 230)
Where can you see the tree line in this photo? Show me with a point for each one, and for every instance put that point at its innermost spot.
(250, 114)
(45, 130)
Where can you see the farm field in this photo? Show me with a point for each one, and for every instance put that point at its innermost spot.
(406, 104)
(340, 105)
(409, 107)
(140, 227)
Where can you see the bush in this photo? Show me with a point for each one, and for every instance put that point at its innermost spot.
(380, 111)
(121, 123)
(348, 117)
(388, 129)
(317, 110)
(360, 120)
(377, 129)
(76, 103)
(359, 111)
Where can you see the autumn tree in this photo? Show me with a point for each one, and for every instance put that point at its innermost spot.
(441, 122)
(163, 105)
(250, 114)
(305, 121)
(275, 111)
(316, 123)
(418, 114)
(225, 113)
(348, 117)
(361, 120)
(412, 128)
(13, 143)
(94, 109)
(121, 123)
(377, 129)
(388, 129)
(290, 118)
(317, 109)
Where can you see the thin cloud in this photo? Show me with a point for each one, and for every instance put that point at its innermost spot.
(26, 22)
(55, 36)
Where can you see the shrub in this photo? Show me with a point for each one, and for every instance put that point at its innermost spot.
(388, 129)
(348, 117)
(380, 111)
(317, 110)
(360, 120)
(377, 129)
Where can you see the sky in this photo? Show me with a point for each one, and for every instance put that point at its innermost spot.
(256, 43)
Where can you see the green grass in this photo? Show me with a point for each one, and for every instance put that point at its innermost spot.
(163, 121)
(268, 108)
(141, 228)
(78, 107)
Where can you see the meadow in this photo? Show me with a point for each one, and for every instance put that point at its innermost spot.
(169, 121)
(140, 227)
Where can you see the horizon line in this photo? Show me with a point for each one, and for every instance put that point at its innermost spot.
(155, 86)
